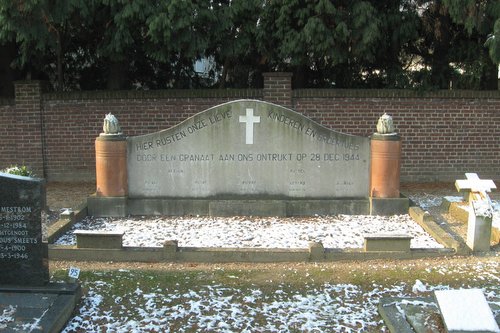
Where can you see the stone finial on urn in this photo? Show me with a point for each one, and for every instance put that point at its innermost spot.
(385, 124)
(111, 126)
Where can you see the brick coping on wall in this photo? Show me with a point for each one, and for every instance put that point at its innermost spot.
(7, 101)
(394, 93)
(259, 93)
(154, 94)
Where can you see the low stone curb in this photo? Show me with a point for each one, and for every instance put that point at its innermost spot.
(426, 221)
(66, 221)
(455, 209)
(170, 253)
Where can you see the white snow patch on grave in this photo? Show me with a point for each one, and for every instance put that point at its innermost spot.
(225, 309)
(496, 214)
(426, 200)
(454, 199)
(342, 231)
(7, 316)
(419, 287)
(483, 208)
(466, 310)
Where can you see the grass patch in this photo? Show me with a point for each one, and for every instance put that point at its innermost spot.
(262, 298)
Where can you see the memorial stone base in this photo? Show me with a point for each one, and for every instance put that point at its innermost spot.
(121, 207)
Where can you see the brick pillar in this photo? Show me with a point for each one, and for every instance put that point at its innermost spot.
(278, 88)
(28, 126)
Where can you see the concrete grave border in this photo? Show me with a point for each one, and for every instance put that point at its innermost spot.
(171, 252)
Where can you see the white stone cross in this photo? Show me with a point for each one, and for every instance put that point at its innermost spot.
(474, 184)
(474, 187)
(480, 211)
(249, 119)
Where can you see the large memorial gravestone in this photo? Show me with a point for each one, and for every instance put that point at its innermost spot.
(245, 157)
(23, 256)
(248, 149)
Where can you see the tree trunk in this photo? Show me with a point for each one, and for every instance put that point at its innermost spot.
(60, 79)
(223, 78)
(300, 77)
(489, 77)
(7, 73)
(117, 75)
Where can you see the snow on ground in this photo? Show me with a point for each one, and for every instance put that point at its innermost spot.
(342, 231)
(216, 307)
(496, 214)
(7, 316)
(426, 200)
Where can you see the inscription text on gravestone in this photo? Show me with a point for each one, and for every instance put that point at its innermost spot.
(23, 256)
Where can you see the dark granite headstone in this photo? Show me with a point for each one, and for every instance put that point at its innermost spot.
(23, 256)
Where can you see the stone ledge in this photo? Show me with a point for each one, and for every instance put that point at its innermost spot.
(107, 206)
(123, 206)
(387, 242)
(153, 94)
(398, 322)
(277, 74)
(65, 222)
(97, 239)
(53, 304)
(389, 206)
(426, 221)
(171, 253)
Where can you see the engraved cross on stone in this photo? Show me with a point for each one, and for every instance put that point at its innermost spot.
(474, 184)
(249, 119)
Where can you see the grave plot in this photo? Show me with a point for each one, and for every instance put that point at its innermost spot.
(295, 179)
(343, 232)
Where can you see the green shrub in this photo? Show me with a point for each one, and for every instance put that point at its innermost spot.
(19, 171)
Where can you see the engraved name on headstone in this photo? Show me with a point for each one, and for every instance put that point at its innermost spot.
(248, 149)
(23, 256)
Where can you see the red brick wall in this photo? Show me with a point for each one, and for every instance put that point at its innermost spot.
(278, 88)
(21, 140)
(7, 133)
(72, 125)
(445, 133)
